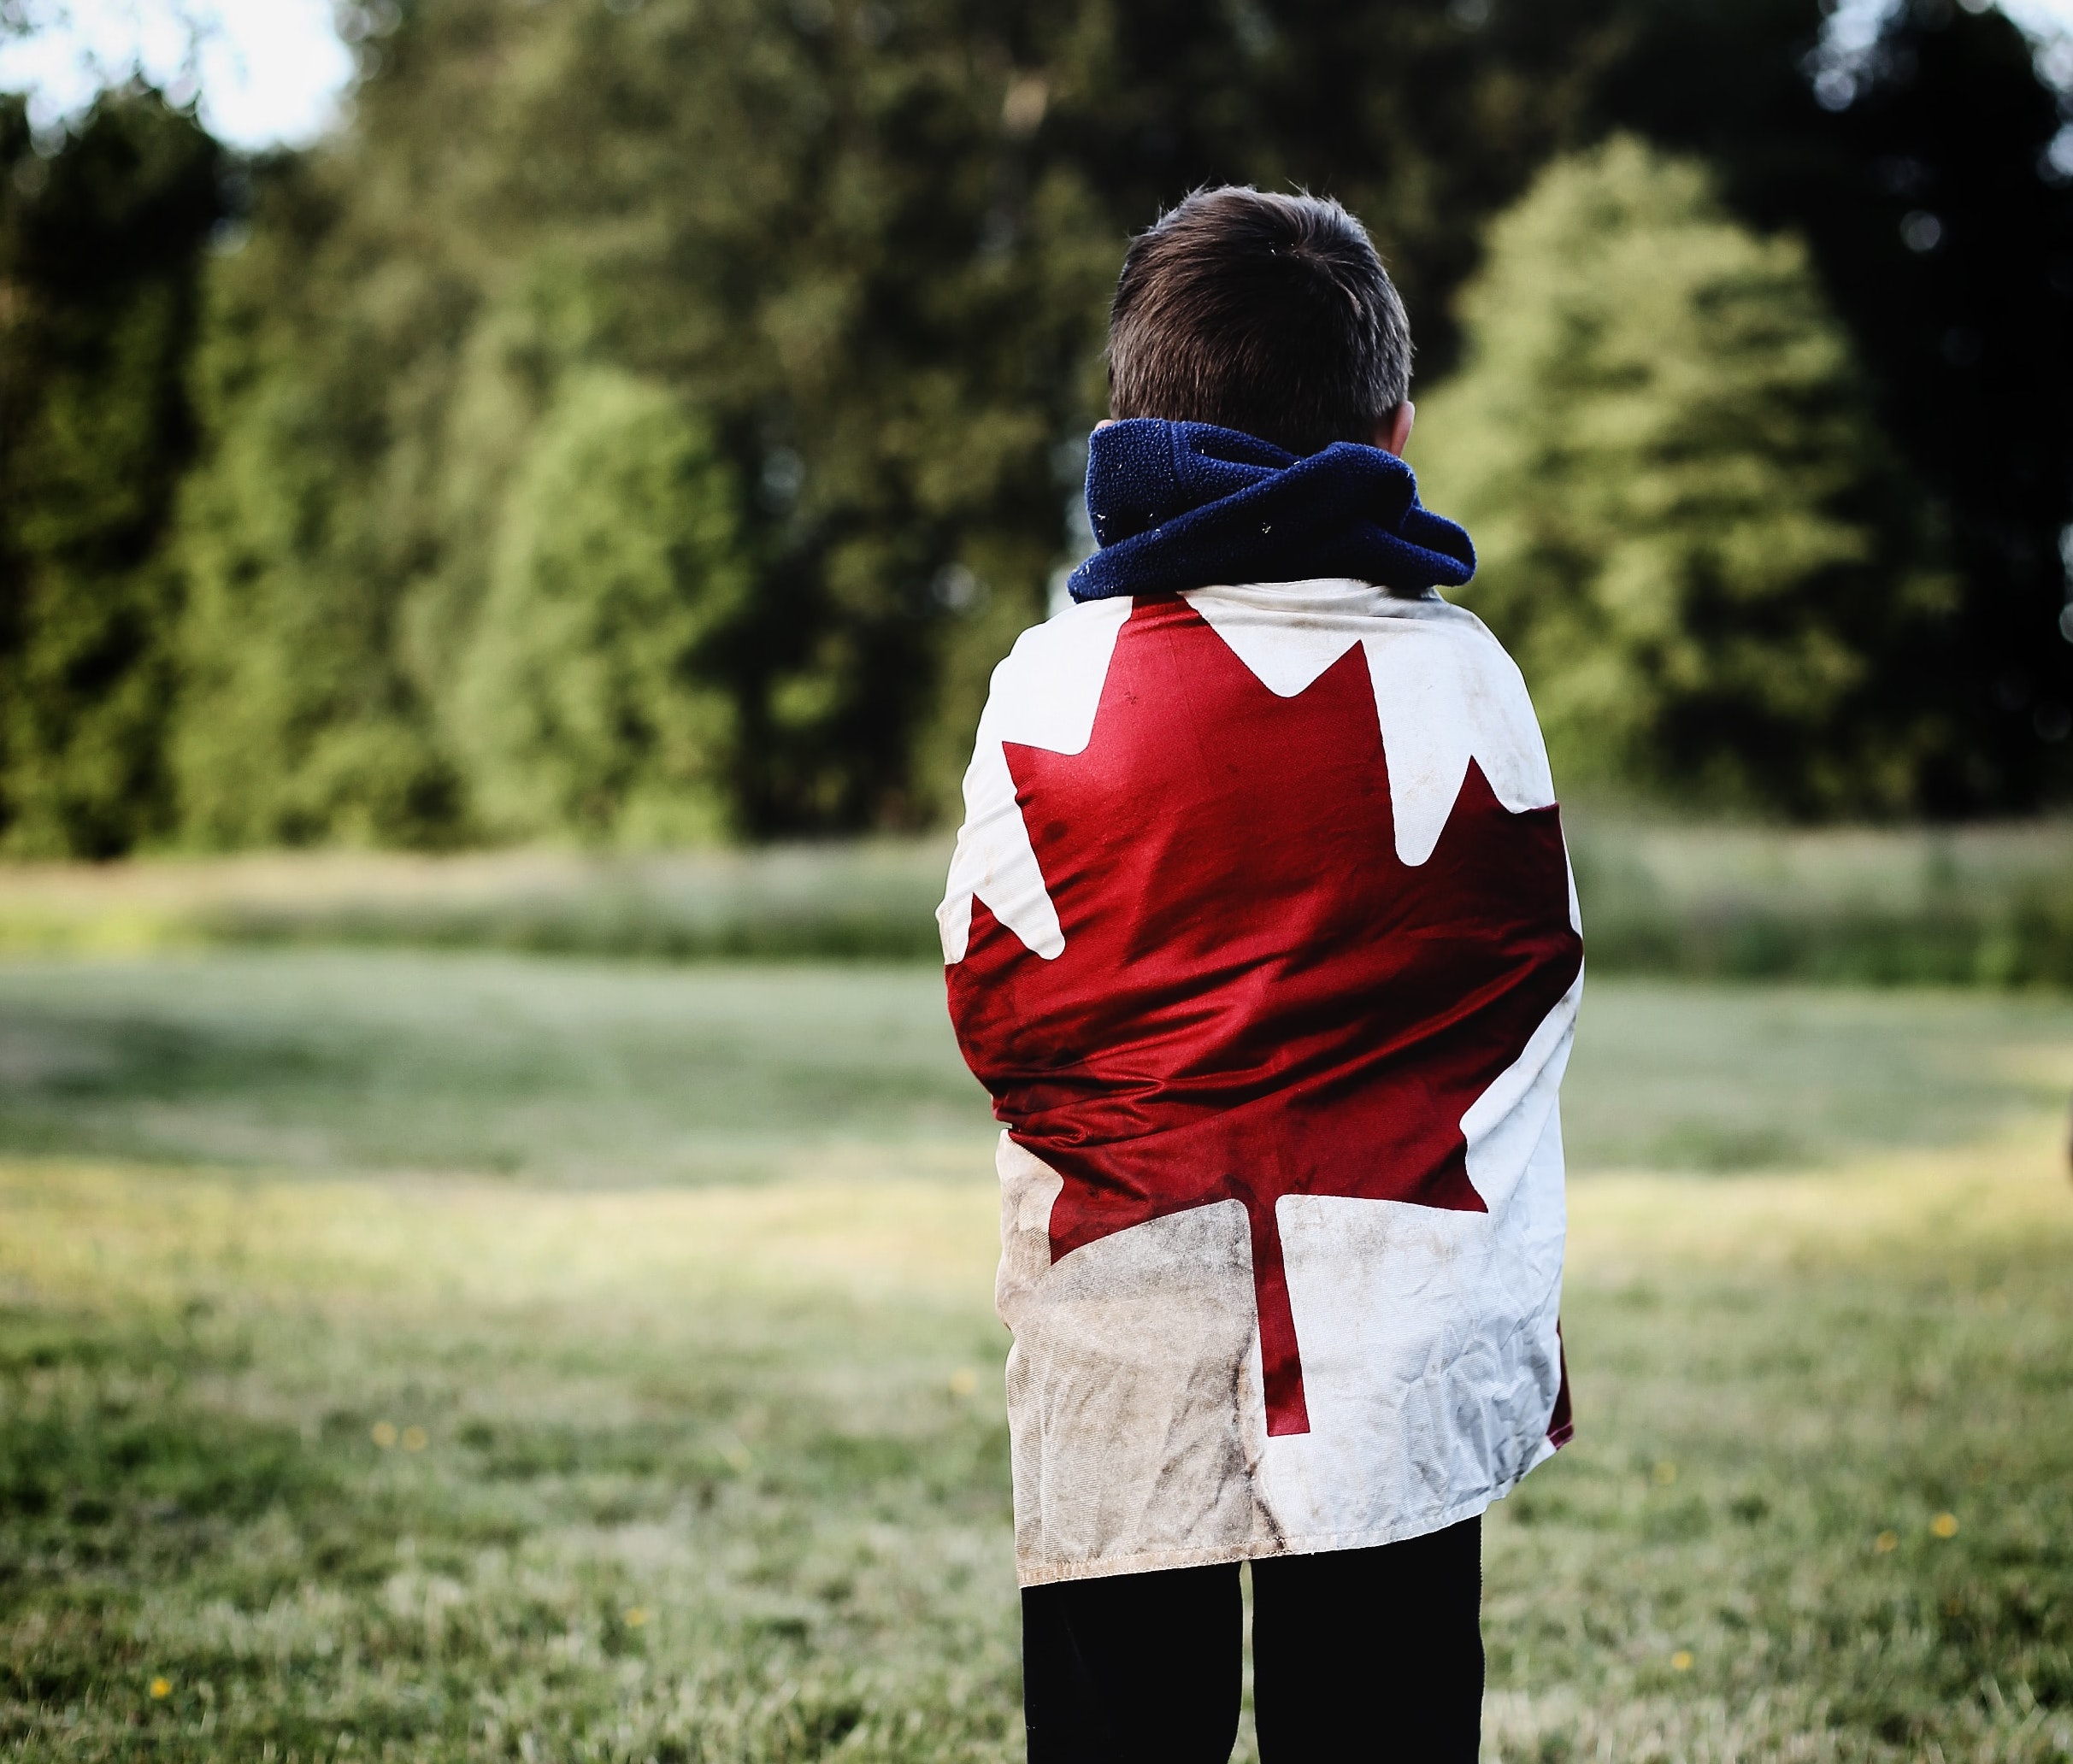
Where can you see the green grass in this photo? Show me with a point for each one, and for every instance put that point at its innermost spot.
(576, 1071)
(1787, 1392)
(1979, 906)
(873, 900)
(696, 1477)
(471, 1357)
(1669, 1076)
(568, 1071)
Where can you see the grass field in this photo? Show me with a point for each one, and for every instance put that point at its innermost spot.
(477, 1357)
(1988, 906)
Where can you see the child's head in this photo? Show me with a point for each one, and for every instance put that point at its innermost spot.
(1271, 314)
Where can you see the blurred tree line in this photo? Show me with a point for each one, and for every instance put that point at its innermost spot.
(650, 420)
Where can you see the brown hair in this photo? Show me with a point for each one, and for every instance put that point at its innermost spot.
(1271, 314)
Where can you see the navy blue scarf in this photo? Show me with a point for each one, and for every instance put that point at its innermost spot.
(1179, 505)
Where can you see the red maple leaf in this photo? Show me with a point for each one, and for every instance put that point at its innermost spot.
(1256, 996)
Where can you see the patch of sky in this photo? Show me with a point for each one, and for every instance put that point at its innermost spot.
(1843, 62)
(262, 72)
(267, 73)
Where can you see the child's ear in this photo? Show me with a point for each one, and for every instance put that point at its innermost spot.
(1392, 432)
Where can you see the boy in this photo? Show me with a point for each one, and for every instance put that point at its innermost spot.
(1261, 933)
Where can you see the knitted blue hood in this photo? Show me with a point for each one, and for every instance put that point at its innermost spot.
(1178, 505)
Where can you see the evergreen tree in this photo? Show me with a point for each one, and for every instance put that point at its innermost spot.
(1692, 535)
(101, 245)
(296, 722)
(589, 699)
(1928, 180)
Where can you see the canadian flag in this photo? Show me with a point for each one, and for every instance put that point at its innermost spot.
(1261, 933)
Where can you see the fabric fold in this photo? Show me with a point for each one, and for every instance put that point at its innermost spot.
(1177, 506)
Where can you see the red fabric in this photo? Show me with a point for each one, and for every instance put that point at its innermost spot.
(1561, 1424)
(1256, 997)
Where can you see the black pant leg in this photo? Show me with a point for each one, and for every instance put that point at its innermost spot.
(1133, 1669)
(1372, 1654)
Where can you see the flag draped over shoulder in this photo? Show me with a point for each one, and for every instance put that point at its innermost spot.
(1260, 931)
